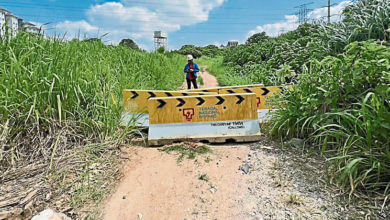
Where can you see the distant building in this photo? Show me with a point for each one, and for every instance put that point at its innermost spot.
(20, 23)
(12, 22)
(232, 43)
(3, 12)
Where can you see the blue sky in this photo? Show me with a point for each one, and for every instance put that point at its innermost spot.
(198, 22)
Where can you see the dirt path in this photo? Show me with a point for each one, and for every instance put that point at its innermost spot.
(249, 181)
(208, 79)
(156, 186)
(235, 181)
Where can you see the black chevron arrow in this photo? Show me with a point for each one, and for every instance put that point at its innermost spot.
(230, 91)
(201, 101)
(221, 100)
(282, 89)
(168, 94)
(184, 94)
(240, 99)
(248, 90)
(135, 95)
(162, 103)
(182, 102)
(151, 95)
(205, 90)
(266, 91)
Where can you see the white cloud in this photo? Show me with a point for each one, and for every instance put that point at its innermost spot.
(291, 21)
(184, 12)
(335, 11)
(275, 29)
(76, 26)
(125, 20)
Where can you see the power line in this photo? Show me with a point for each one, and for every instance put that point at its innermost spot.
(55, 6)
(328, 11)
(303, 12)
(165, 14)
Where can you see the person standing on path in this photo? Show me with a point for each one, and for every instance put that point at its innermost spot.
(191, 70)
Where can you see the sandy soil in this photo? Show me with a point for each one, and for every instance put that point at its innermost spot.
(274, 186)
(156, 186)
(208, 79)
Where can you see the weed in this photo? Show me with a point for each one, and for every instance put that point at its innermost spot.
(200, 80)
(189, 151)
(280, 181)
(204, 177)
(294, 199)
(208, 159)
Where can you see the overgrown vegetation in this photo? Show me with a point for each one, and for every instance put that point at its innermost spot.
(56, 95)
(60, 105)
(340, 104)
(48, 84)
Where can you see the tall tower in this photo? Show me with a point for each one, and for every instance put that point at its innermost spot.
(160, 40)
(303, 13)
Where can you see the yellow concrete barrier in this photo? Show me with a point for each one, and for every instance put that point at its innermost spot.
(212, 118)
(263, 94)
(135, 103)
(217, 89)
(137, 100)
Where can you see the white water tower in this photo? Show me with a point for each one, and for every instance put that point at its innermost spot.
(160, 40)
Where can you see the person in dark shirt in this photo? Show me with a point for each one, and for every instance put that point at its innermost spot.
(191, 70)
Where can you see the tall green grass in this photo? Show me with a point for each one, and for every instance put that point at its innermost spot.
(47, 84)
(225, 75)
(342, 107)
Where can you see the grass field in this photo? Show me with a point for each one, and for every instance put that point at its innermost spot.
(49, 84)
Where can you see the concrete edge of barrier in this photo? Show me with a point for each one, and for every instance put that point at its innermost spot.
(142, 119)
(139, 119)
(205, 139)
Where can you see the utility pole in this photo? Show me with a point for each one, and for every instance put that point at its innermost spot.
(328, 11)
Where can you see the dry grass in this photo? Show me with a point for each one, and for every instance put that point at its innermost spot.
(66, 173)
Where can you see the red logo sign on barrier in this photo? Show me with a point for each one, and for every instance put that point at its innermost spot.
(189, 113)
(258, 101)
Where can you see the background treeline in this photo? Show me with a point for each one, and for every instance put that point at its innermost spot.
(197, 52)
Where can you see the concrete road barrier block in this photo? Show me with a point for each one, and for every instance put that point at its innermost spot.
(135, 103)
(263, 94)
(212, 118)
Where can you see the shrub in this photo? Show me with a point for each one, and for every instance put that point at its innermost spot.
(342, 105)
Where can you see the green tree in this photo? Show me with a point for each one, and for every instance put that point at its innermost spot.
(257, 38)
(129, 43)
(161, 50)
